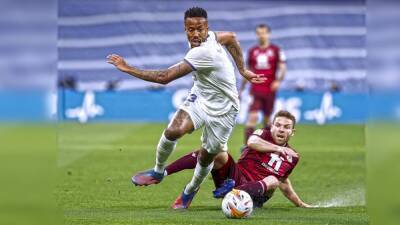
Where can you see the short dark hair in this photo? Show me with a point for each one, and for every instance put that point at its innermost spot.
(196, 12)
(286, 114)
(263, 25)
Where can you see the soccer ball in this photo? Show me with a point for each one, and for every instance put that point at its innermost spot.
(237, 204)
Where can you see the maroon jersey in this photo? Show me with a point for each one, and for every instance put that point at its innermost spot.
(264, 61)
(258, 165)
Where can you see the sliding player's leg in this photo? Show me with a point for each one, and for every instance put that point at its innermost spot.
(223, 169)
(227, 175)
(180, 125)
(259, 202)
(260, 191)
(189, 161)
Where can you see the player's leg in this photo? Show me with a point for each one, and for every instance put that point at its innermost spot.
(179, 126)
(268, 108)
(266, 121)
(258, 190)
(205, 162)
(250, 125)
(260, 202)
(252, 117)
(189, 161)
(220, 160)
(214, 140)
(226, 176)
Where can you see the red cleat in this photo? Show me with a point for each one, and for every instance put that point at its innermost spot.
(183, 201)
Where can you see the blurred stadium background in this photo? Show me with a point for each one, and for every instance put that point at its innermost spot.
(324, 44)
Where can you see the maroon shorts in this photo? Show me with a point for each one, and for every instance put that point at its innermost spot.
(229, 171)
(264, 102)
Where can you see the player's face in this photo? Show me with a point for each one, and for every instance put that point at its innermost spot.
(196, 29)
(262, 34)
(282, 129)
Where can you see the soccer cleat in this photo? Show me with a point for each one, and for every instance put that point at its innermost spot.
(225, 188)
(184, 200)
(147, 177)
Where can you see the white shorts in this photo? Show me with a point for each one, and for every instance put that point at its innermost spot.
(217, 129)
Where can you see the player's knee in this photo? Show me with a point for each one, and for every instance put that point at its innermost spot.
(266, 120)
(220, 160)
(172, 133)
(204, 158)
(271, 182)
(273, 186)
(252, 119)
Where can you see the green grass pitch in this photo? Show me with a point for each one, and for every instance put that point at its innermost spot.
(96, 162)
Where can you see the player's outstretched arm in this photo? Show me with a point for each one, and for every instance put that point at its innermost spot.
(244, 81)
(157, 76)
(228, 39)
(287, 190)
(261, 145)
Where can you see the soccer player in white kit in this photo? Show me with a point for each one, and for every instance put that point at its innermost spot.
(212, 103)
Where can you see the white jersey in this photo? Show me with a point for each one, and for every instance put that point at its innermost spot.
(214, 77)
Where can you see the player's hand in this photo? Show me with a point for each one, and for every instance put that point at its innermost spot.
(275, 85)
(118, 62)
(289, 152)
(254, 78)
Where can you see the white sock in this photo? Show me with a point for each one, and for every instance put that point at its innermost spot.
(164, 149)
(200, 174)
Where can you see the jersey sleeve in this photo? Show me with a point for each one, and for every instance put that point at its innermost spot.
(263, 134)
(199, 58)
(212, 36)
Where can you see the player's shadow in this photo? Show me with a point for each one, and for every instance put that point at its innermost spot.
(205, 208)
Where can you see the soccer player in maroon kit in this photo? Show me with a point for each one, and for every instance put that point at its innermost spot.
(268, 59)
(265, 164)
